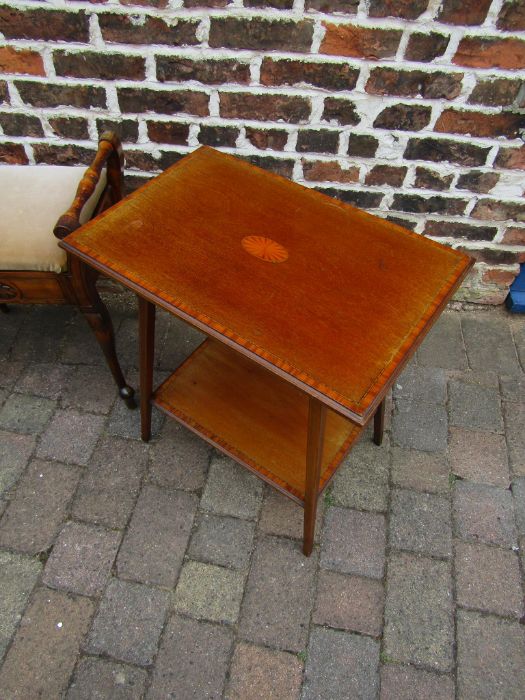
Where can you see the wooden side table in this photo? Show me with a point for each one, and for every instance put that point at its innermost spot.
(311, 308)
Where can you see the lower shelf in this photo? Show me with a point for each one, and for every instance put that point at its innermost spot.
(253, 415)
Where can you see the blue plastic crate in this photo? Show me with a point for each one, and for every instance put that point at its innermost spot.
(516, 299)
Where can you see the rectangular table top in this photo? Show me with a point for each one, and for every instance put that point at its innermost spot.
(320, 292)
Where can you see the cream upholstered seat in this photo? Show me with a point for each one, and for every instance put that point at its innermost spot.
(32, 197)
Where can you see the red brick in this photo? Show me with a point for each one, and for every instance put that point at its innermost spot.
(349, 7)
(52, 95)
(70, 127)
(497, 256)
(140, 160)
(464, 12)
(512, 16)
(317, 141)
(403, 117)
(62, 155)
(423, 205)
(209, 71)
(218, 135)
(513, 158)
(476, 52)
(341, 111)
(453, 121)
(321, 171)
(436, 85)
(278, 4)
(440, 151)
(360, 42)
(163, 101)
(206, 3)
(121, 29)
(404, 223)
(330, 76)
(514, 235)
(426, 47)
(406, 9)
(279, 166)
(260, 34)
(20, 61)
(432, 180)
(274, 139)
(495, 210)
(13, 154)
(127, 129)
(499, 276)
(445, 229)
(477, 181)
(106, 66)
(240, 105)
(142, 3)
(495, 92)
(48, 25)
(14, 124)
(361, 199)
(362, 145)
(168, 132)
(386, 175)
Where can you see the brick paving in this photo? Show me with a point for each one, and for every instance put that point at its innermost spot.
(165, 570)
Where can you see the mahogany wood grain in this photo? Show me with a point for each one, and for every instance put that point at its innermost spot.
(146, 355)
(314, 457)
(379, 423)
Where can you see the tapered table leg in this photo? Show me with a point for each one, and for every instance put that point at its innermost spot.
(379, 423)
(314, 453)
(147, 351)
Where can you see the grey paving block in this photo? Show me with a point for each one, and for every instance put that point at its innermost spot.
(40, 337)
(18, 575)
(518, 491)
(409, 683)
(232, 490)
(45, 648)
(354, 542)
(109, 487)
(488, 579)
(489, 344)
(484, 514)
(192, 661)
(71, 437)
(443, 347)
(82, 558)
(222, 540)
(39, 507)
(514, 422)
(100, 679)
(513, 388)
(10, 371)
(209, 592)
(125, 423)
(518, 331)
(180, 341)
(479, 456)
(157, 536)
(279, 595)
(15, 451)
(283, 517)
(421, 522)
(474, 406)
(129, 622)
(10, 324)
(491, 657)
(44, 379)
(179, 458)
(341, 665)
(26, 414)
(419, 626)
(362, 480)
(422, 471)
(90, 388)
(264, 674)
(420, 426)
(79, 344)
(421, 385)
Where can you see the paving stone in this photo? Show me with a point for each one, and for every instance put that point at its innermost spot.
(129, 622)
(484, 513)
(10, 371)
(79, 344)
(99, 679)
(125, 422)
(422, 471)
(264, 674)
(513, 389)
(408, 683)
(421, 385)
(40, 337)
(45, 648)
(518, 491)
(420, 426)
(15, 451)
(18, 575)
(192, 661)
(421, 522)
(179, 458)
(341, 665)
(71, 437)
(349, 602)
(514, 422)
(491, 658)
(279, 595)
(518, 331)
(232, 490)
(110, 485)
(354, 542)
(10, 324)
(127, 342)
(90, 389)
(362, 480)
(157, 536)
(419, 625)
(474, 406)
(283, 517)
(26, 414)
(82, 558)
(443, 347)
(44, 379)
(209, 592)
(223, 541)
(488, 579)
(181, 340)
(479, 456)
(39, 507)
(489, 344)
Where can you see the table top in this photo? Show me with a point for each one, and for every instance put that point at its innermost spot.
(324, 294)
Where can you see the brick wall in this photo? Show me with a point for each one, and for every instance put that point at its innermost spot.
(411, 109)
